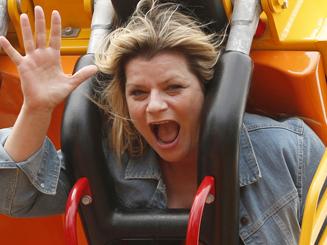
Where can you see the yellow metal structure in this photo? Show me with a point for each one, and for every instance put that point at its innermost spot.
(315, 212)
(292, 25)
(76, 21)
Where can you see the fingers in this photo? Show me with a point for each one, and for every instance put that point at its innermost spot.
(10, 51)
(55, 33)
(83, 74)
(27, 34)
(40, 29)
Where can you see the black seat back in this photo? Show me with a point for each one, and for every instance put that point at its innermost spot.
(104, 221)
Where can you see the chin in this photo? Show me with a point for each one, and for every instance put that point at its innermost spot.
(172, 158)
(176, 154)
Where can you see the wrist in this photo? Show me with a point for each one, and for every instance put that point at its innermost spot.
(35, 115)
(39, 110)
(28, 132)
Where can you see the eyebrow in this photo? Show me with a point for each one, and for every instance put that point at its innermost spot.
(137, 85)
(134, 85)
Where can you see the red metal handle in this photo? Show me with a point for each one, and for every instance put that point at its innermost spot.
(260, 29)
(205, 194)
(81, 190)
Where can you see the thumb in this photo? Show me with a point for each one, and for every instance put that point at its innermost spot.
(83, 74)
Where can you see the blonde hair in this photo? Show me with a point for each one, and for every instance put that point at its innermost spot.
(154, 27)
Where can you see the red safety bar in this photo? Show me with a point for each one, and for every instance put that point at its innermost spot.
(80, 192)
(205, 194)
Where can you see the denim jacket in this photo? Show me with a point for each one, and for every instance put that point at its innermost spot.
(277, 162)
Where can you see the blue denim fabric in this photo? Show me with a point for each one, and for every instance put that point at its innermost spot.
(36, 187)
(277, 163)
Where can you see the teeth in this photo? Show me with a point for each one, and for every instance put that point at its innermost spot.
(158, 123)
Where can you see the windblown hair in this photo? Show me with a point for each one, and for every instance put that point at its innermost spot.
(154, 27)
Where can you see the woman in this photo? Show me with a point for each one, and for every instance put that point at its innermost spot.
(160, 62)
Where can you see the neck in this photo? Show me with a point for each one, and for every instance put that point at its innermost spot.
(181, 181)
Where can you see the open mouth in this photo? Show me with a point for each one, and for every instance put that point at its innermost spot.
(166, 131)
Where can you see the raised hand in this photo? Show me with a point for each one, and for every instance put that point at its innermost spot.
(44, 84)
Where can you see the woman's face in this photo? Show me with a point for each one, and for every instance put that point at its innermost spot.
(164, 100)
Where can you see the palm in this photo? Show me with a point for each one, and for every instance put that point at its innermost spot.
(43, 81)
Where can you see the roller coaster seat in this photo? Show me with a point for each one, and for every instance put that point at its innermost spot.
(284, 82)
(279, 94)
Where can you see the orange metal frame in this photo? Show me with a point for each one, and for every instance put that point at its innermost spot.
(290, 83)
(32, 231)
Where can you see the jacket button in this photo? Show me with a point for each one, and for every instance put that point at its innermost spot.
(244, 220)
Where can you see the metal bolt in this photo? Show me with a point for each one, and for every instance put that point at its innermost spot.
(86, 200)
(68, 31)
(284, 4)
(210, 199)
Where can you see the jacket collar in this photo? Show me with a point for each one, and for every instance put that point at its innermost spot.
(249, 170)
(147, 166)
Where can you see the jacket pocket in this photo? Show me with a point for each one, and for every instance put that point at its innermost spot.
(278, 224)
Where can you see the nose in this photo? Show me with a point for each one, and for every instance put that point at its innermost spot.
(156, 103)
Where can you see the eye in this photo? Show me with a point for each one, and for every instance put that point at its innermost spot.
(174, 88)
(138, 94)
